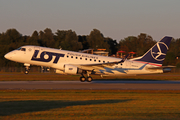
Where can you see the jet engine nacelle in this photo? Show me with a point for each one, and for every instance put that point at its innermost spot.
(70, 69)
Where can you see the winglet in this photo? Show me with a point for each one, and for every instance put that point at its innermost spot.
(124, 59)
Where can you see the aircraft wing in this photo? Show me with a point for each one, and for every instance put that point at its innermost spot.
(91, 67)
(99, 66)
(88, 51)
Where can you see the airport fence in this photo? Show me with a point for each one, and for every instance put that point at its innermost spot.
(175, 70)
(22, 69)
(47, 69)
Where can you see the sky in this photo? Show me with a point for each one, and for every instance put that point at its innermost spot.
(116, 19)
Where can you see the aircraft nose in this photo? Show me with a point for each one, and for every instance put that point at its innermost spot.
(8, 56)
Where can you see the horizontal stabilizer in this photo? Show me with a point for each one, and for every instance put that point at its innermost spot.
(163, 67)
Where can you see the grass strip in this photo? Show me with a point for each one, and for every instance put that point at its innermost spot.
(89, 104)
(58, 77)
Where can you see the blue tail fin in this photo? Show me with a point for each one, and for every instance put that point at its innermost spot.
(157, 53)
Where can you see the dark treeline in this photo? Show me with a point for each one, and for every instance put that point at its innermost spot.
(69, 40)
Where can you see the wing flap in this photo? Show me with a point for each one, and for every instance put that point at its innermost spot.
(100, 66)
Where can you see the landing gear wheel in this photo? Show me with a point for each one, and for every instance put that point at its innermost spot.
(26, 71)
(89, 79)
(82, 79)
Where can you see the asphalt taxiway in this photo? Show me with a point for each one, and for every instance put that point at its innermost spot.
(94, 85)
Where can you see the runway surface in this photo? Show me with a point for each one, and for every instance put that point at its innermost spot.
(94, 85)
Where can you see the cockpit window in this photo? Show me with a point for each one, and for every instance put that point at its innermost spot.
(21, 49)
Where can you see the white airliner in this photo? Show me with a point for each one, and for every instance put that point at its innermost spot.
(69, 62)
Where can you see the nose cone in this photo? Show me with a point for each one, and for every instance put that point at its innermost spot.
(8, 56)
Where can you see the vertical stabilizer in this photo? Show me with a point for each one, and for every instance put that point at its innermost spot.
(157, 53)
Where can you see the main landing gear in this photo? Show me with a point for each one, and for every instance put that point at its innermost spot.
(83, 79)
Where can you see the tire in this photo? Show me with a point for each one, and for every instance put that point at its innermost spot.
(26, 72)
(82, 79)
(89, 79)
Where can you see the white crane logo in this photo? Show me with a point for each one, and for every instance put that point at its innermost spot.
(158, 52)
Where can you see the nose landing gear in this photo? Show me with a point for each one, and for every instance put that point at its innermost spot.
(27, 68)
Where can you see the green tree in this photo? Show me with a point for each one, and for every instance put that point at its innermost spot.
(96, 40)
(34, 39)
(11, 36)
(60, 36)
(67, 40)
(9, 41)
(140, 44)
(48, 38)
(113, 45)
(173, 53)
(83, 40)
